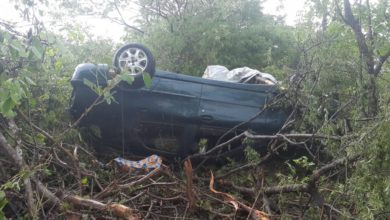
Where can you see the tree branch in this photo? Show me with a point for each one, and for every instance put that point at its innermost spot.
(304, 187)
(118, 210)
(283, 136)
(125, 23)
(382, 60)
(351, 21)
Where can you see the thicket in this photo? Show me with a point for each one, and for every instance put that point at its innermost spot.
(333, 68)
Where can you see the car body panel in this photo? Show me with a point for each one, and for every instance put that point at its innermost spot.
(175, 107)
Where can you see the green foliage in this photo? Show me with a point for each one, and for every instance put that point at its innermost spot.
(11, 93)
(370, 181)
(11, 184)
(3, 203)
(230, 33)
(251, 155)
(84, 181)
(124, 76)
(202, 145)
(147, 80)
(303, 162)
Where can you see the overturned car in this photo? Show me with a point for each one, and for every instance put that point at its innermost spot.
(173, 113)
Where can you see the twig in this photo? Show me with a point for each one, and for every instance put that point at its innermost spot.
(53, 199)
(124, 22)
(150, 209)
(17, 158)
(40, 130)
(178, 197)
(262, 160)
(109, 190)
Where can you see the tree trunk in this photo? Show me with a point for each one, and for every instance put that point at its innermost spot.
(372, 96)
(373, 64)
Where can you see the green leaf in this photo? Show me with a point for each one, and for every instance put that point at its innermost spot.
(108, 96)
(127, 78)
(7, 106)
(147, 80)
(17, 45)
(3, 203)
(88, 83)
(51, 38)
(2, 195)
(58, 65)
(40, 138)
(36, 48)
(36, 52)
(47, 172)
(84, 181)
(30, 81)
(6, 36)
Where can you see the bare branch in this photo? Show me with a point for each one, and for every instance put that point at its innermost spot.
(382, 60)
(117, 209)
(298, 136)
(124, 21)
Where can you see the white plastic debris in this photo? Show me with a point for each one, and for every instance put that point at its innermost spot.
(238, 75)
(147, 164)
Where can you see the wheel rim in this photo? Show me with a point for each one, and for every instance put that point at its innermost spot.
(133, 60)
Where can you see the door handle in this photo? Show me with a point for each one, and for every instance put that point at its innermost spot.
(206, 117)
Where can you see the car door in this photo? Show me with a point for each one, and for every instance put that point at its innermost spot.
(176, 101)
(167, 110)
(224, 105)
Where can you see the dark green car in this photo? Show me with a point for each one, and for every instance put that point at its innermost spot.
(170, 116)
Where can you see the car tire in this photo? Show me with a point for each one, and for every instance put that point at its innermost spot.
(137, 60)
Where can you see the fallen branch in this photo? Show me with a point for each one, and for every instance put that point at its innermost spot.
(52, 199)
(118, 210)
(189, 184)
(254, 213)
(247, 134)
(304, 187)
(298, 136)
(319, 172)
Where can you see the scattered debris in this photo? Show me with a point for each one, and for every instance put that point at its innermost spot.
(238, 75)
(144, 165)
